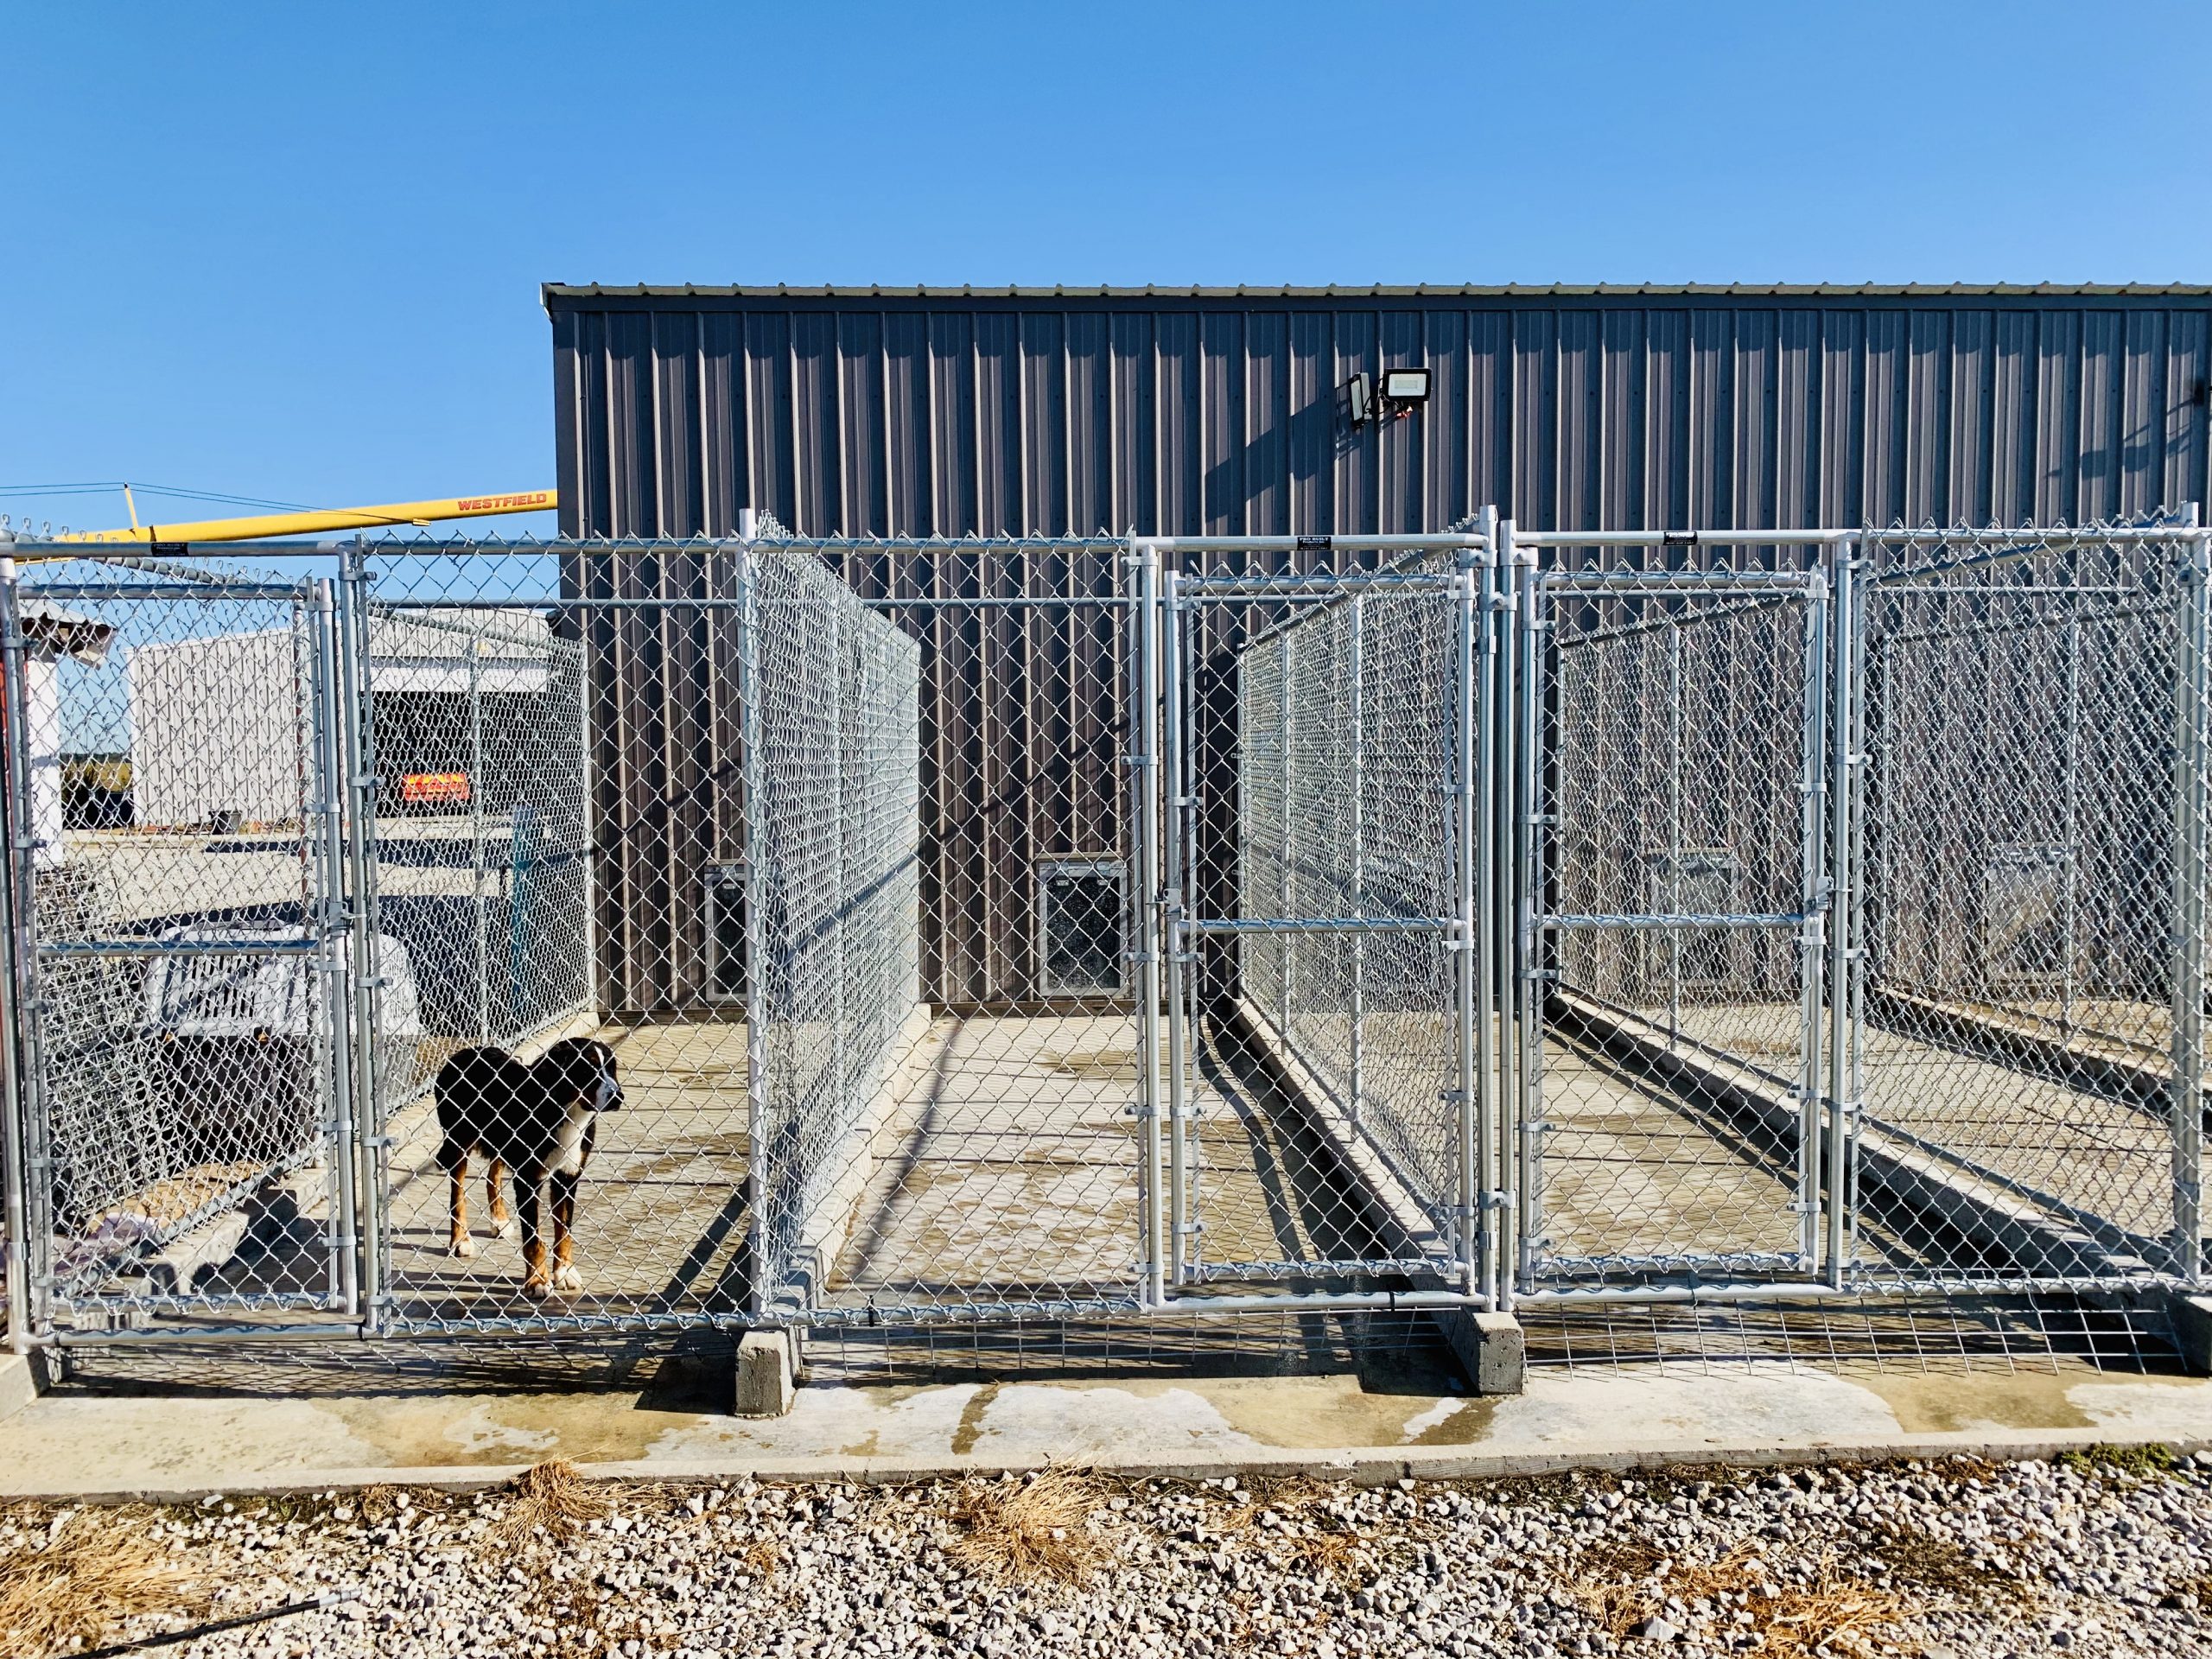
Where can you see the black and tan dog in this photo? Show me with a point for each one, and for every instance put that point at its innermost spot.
(537, 1119)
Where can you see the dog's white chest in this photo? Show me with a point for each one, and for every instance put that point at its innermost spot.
(569, 1146)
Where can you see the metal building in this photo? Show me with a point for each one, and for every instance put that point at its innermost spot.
(1053, 412)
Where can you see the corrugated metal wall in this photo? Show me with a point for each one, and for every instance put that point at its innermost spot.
(951, 413)
(947, 413)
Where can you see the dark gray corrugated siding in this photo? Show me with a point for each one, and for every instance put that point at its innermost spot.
(1048, 414)
(1041, 413)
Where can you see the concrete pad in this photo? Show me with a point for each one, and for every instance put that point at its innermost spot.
(1747, 1411)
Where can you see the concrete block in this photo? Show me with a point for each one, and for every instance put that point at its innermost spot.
(22, 1376)
(2192, 1321)
(1490, 1346)
(767, 1373)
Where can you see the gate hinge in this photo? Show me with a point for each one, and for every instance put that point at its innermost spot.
(1497, 1199)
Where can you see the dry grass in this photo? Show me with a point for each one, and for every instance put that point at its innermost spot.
(1017, 1531)
(93, 1572)
(1343, 1557)
(550, 1498)
(1923, 1563)
(1834, 1612)
(761, 1557)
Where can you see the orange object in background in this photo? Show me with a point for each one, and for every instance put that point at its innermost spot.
(428, 788)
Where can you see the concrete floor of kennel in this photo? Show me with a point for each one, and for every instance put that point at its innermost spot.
(1009, 1169)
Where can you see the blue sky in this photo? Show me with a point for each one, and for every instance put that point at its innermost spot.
(293, 252)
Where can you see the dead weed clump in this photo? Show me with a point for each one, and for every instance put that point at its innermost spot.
(1016, 1531)
(1829, 1613)
(91, 1573)
(550, 1498)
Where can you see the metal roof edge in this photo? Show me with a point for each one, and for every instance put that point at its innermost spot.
(570, 294)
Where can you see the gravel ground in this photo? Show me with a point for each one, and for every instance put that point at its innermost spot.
(2107, 1553)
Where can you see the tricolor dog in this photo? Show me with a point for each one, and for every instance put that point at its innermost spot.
(537, 1119)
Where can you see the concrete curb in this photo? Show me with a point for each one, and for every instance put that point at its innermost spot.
(1362, 1465)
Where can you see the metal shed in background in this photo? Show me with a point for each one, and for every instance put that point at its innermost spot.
(1044, 413)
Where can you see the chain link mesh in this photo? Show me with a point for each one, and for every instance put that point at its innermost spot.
(1675, 885)
(841, 848)
(168, 797)
(2026, 895)
(1342, 757)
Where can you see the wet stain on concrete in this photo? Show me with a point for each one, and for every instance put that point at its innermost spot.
(1933, 1402)
(1468, 1426)
(1310, 1413)
(970, 1427)
(413, 1432)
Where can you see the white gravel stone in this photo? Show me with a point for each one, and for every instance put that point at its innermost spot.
(1962, 1559)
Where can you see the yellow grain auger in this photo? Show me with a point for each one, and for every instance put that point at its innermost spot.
(311, 522)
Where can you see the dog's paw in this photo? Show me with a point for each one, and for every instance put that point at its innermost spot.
(505, 1228)
(536, 1290)
(462, 1246)
(567, 1278)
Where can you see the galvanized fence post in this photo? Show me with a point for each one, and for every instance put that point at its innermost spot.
(357, 777)
(1174, 939)
(2192, 800)
(1814, 892)
(18, 1043)
(1843, 765)
(1473, 1089)
(1673, 904)
(1145, 787)
(479, 911)
(334, 1029)
(752, 769)
(1527, 891)
(1356, 678)
(1285, 733)
(1501, 1021)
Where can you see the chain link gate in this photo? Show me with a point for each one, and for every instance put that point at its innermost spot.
(1676, 876)
(179, 972)
(1315, 920)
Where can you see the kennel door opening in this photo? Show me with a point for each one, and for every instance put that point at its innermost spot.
(2024, 916)
(1081, 927)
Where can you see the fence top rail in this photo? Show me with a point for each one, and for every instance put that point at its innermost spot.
(1312, 587)
(1666, 581)
(1317, 544)
(1771, 537)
